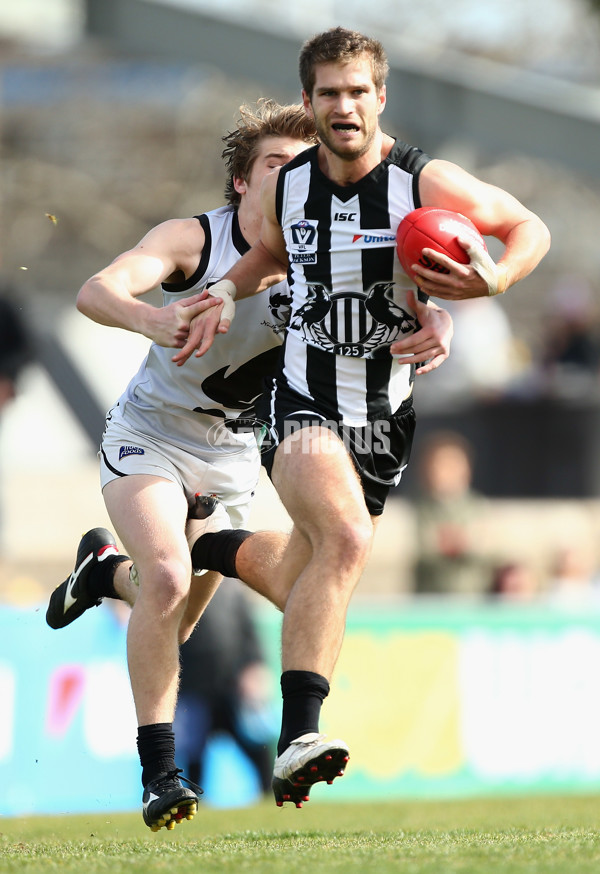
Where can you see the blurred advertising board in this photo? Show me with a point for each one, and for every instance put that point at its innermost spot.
(437, 699)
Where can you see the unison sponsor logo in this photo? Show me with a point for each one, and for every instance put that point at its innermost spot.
(374, 239)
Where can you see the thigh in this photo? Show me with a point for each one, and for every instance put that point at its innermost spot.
(149, 515)
(231, 476)
(308, 463)
(317, 481)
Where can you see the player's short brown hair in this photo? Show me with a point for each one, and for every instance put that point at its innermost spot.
(266, 119)
(339, 45)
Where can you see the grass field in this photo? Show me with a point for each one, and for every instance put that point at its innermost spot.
(550, 834)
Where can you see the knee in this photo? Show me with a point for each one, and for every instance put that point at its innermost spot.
(357, 539)
(351, 541)
(165, 583)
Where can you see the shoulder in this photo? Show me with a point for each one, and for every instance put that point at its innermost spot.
(177, 242)
(274, 199)
(177, 234)
(442, 179)
(220, 217)
(304, 157)
(408, 158)
(301, 160)
(270, 193)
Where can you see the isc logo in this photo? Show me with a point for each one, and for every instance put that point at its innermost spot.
(344, 216)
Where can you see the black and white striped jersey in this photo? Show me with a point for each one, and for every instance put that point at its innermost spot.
(348, 288)
(173, 403)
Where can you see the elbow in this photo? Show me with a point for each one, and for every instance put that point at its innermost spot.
(547, 239)
(543, 237)
(278, 260)
(82, 302)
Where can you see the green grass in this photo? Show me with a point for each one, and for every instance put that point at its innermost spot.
(503, 836)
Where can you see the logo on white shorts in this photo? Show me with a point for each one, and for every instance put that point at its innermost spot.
(124, 451)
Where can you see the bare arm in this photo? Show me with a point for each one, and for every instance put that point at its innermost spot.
(261, 267)
(111, 297)
(496, 213)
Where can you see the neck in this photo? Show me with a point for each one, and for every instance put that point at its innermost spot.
(249, 223)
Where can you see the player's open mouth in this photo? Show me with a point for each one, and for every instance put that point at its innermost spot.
(344, 127)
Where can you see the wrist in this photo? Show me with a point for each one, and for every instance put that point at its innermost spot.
(226, 291)
(501, 280)
(222, 288)
(144, 318)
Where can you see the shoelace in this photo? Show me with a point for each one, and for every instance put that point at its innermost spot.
(177, 774)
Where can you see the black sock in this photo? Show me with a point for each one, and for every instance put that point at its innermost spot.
(216, 551)
(303, 694)
(101, 578)
(156, 748)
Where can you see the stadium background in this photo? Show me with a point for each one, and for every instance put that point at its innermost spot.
(108, 141)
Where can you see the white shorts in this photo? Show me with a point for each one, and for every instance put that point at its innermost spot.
(232, 478)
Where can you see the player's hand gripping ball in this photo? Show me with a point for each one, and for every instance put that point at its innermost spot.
(432, 228)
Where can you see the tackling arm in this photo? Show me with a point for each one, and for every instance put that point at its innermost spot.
(261, 267)
(111, 296)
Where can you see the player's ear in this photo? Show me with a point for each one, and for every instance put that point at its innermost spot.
(240, 185)
(307, 104)
(382, 100)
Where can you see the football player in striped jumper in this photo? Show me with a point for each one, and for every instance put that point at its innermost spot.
(340, 403)
(170, 448)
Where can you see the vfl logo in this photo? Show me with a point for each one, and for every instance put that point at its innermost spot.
(303, 235)
(350, 322)
(124, 451)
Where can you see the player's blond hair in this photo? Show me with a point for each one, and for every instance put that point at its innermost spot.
(339, 45)
(266, 119)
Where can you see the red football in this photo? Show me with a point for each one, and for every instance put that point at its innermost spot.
(433, 228)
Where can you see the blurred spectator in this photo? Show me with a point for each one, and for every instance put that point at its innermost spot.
(514, 581)
(484, 356)
(225, 686)
(450, 520)
(15, 347)
(574, 577)
(570, 358)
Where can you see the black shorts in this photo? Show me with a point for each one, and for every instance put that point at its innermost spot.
(380, 450)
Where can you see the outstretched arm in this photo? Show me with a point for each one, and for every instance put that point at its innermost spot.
(111, 297)
(260, 268)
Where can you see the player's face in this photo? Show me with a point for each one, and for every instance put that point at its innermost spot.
(273, 152)
(346, 105)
